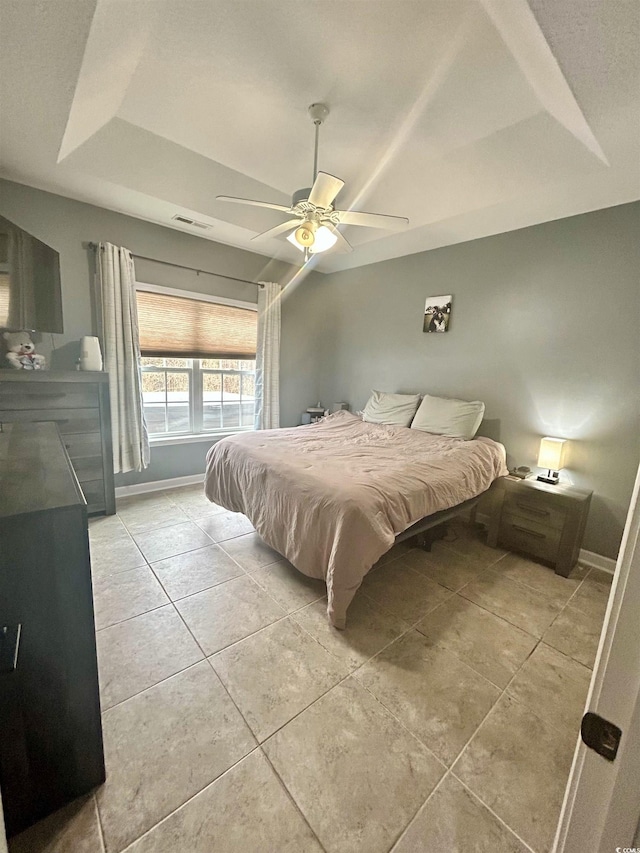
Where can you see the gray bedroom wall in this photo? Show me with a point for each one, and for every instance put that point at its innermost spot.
(68, 226)
(545, 329)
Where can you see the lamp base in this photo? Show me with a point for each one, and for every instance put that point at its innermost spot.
(552, 478)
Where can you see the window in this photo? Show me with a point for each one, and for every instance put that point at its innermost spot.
(198, 363)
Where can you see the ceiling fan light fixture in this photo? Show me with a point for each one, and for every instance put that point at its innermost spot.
(305, 235)
(325, 239)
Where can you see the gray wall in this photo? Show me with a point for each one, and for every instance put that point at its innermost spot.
(544, 329)
(68, 226)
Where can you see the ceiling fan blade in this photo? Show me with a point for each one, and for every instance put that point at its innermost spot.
(325, 188)
(343, 245)
(279, 229)
(372, 220)
(268, 204)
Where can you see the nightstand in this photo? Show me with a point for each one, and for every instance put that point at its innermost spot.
(540, 520)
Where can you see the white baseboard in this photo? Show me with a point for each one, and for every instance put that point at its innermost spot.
(587, 558)
(597, 561)
(158, 485)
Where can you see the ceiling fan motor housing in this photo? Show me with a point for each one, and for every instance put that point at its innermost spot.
(300, 195)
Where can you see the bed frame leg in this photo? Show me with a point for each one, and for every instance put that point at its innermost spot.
(426, 539)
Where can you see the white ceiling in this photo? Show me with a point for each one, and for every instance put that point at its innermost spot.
(471, 117)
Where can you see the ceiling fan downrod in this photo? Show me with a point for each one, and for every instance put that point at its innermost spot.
(318, 113)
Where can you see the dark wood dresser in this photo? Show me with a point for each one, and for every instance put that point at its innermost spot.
(50, 730)
(79, 403)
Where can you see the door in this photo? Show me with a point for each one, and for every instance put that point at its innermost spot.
(601, 808)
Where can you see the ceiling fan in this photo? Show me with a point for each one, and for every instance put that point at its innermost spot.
(314, 226)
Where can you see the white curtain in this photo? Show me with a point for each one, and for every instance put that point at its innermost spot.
(268, 357)
(122, 357)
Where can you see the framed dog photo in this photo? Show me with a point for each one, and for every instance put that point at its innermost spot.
(437, 313)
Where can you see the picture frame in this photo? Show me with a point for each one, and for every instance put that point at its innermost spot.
(437, 313)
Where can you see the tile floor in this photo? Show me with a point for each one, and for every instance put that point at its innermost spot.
(236, 720)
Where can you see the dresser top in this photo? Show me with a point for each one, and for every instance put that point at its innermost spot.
(53, 376)
(35, 473)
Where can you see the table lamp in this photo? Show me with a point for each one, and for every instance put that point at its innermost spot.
(551, 457)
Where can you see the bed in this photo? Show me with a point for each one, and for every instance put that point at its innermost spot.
(331, 497)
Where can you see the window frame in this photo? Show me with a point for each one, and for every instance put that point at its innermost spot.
(195, 373)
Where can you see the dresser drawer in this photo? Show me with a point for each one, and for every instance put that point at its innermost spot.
(56, 395)
(536, 539)
(82, 444)
(68, 420)
(534, 508)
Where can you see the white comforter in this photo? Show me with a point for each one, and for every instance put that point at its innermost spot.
(332, 496)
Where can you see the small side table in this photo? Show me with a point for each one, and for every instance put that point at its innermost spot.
(540, 520)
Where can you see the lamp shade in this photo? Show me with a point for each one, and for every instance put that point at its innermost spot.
(324, 239)
(551, 455)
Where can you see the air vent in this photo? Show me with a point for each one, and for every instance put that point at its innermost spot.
(186, 221)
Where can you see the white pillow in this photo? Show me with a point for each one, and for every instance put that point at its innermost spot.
(383, 408)
(442, 416)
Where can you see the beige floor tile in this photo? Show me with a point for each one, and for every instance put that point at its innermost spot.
(197, 511)
(143, 513)
(145, 500)
(518, 765)
(488, 644)
(251, 552)
(73, 829)
(403, 591)
(511, 600)
(437, 697)
(193, 501)
(541, 578)
(162, 747)
(126, 594)
(601, 577)
(105, 528)
(170, 541)
(471, 542)
(228, 612)
(288, 586)
(275, 674)
(194, 571)
(444, 566)
(592, 598)
(357, 775)
(369, 629)
(245, 811)
(397, 550)
(140, 652)
(226, 525)
(576, 634)
(108, 557)
(454, 821)
(553, 686)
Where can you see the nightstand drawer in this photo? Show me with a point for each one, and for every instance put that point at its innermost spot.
(536, 509)
(536, 539)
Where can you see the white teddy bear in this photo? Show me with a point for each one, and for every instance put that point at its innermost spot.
(21, 352)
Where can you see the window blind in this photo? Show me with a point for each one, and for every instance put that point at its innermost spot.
(183, 327)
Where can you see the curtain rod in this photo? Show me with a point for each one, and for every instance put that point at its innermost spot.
(191, 269)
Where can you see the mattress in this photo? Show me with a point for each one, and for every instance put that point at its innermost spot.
(331, 497)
